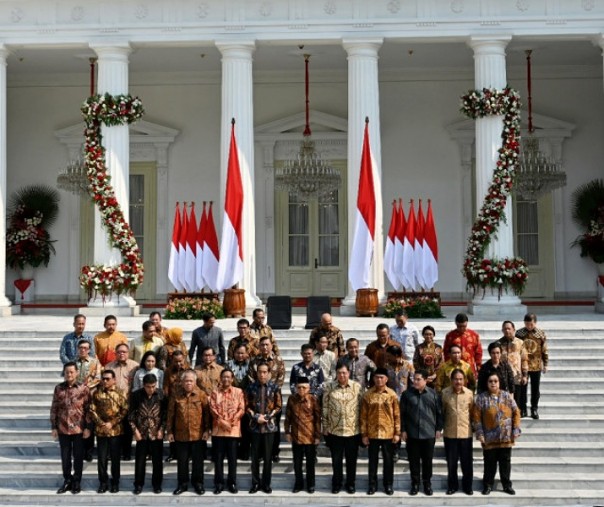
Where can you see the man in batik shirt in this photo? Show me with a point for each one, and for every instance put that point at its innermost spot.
(467, 340)
(309, 370)
(208, 373)
(513, 351)
(89, 373)
(332, 333)
(259, 329)
(243, 338)
(359, 365)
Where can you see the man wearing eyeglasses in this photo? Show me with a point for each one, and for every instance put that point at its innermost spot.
(69, 346)
(108, 409)
(89, 374)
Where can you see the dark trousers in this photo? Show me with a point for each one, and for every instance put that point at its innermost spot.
(301, 452)
(193, 450)
(420, 452)
(459, 450)
(493, 457)
(126, 439)
(277, 439)
(341, 447)
(535, 380)
(387, 447)
(262, 449)
(89, 444)
(155, 448)
(72, 445)
(520, 396)
(225, 447)
(243, 447)
(109, 448)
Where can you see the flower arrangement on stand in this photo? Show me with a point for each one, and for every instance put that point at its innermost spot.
(588, 213)
(416, 307)
(126, 277)
(510, 273)
(192, 308)
(31, 211)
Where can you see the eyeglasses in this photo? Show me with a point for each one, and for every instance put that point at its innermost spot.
(107, 379)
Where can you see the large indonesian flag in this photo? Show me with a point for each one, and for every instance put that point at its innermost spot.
(191, 252)
(419, 247)
(430, 250)
(399, 241)
(182, 248)
(174, 251)
(389, 254)
(210, 252)
(408, 251)
(199, 248)
(230, 267)
(364, 229)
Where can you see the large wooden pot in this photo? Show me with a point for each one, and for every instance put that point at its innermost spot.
(367, 303)
(233, 303)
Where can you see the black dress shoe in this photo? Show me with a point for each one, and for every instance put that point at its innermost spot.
(389, 491)
(103, 488)
(509, 490)
(218, 490)
(451, 491)
(115, 488)
(276, 459)
(487, 490)
(350, 490)
(371, 491)
(468, 492)
(137, 490)
(170, 459)
(180, 490)
(523, 413)
(414, 489)
(428, 489)
(75, 488)
(253, 489)
(311, 490)
(233, 489)
(534, 413)
(157, 491)
(126, 457)
(64, 488)
(296, 489)
(267, 489)
(199, 489)
(88, 457)
(335, 490)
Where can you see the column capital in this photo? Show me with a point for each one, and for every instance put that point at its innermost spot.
(362, 46)
(236, 49)
(4, 52)
(118, 51)
(485, 44)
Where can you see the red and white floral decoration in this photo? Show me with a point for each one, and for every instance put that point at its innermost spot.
(509, 272)
(101, 280)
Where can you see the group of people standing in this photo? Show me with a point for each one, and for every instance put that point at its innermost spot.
(399, 390)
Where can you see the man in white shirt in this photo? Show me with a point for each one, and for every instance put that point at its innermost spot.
(405, 333)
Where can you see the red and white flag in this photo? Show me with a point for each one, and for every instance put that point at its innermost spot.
(174, 251)
(230, 267)
(430, 250)
(389, 256)
(199, 249)
(408, 251)
(210, 252)
(399, 242)
(191, 252)
(419, 247)
(182, 248)
(364, 230)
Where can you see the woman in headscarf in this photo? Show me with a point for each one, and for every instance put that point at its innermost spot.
(173, 337)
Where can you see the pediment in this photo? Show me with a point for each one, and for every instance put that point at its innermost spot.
(319, 122)
(545, 126)
(140, 132)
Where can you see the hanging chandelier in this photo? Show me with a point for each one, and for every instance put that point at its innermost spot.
(74, 178)
(307, 176)
(537, 174)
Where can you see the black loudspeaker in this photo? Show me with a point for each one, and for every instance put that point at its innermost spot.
(279, 312)
(315, 307)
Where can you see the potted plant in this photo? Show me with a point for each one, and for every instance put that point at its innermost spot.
(31, 212)
(588, 212)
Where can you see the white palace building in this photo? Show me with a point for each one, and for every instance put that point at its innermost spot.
(195, 64)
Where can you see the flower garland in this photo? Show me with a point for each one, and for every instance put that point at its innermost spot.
(507, 273)
(111, 111)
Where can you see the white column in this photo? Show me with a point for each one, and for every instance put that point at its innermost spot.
(599, 307)
(237, 102)
(4, 301)
(113, 79)
(364, 101)
(490, 72)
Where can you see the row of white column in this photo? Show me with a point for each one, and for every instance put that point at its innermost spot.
(237, 102)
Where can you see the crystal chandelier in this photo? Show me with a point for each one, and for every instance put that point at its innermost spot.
(74, 178)
(537, 174)
(307, 176)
